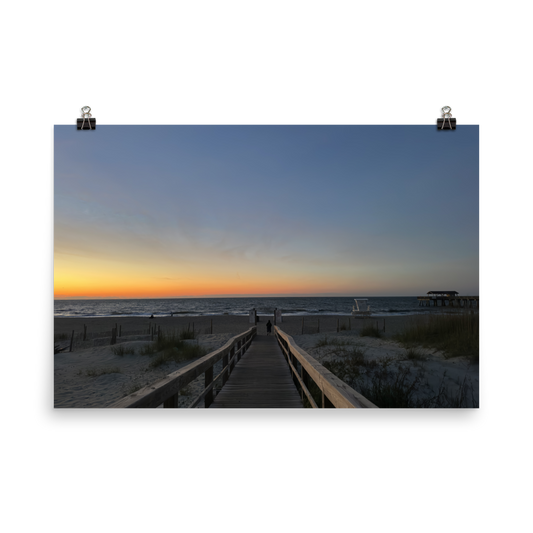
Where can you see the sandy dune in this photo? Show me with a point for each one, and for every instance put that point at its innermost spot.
(92, 375)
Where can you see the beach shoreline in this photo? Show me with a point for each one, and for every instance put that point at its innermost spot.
(291, 324)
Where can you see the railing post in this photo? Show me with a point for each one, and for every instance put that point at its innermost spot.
(231, 354)
(325, 401)
(71, 341)
(293, 361)
(304, 380)
(114, 335)
(208, 400)
(171, 402)
(225, 376)
(285, 350)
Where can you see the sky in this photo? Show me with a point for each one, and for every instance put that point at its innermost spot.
(192, 211)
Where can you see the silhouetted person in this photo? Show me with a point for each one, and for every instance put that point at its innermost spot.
(269, 328)
(152, 316)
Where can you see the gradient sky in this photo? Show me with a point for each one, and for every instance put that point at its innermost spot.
(177, 211)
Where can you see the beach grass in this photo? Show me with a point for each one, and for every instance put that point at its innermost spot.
(388, 388)
(389, 384)
(149, 349)
(370, 331)
(331, 341)
(380, 381)
(402, 381)
(453, 334)
(174, 347)
(187, 334)
(415, 355)
(122, 350)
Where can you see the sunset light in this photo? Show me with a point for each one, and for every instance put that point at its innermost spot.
(162, 211)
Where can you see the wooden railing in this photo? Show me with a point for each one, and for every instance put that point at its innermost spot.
(165, 391)
(305, 369)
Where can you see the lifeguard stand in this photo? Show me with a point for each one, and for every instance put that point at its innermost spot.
(361, 307)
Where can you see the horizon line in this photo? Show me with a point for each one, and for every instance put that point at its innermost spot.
(323, 295)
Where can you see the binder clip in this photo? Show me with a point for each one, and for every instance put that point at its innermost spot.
(86, 122)
(446, 116)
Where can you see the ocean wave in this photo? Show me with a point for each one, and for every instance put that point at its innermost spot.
(290, 306)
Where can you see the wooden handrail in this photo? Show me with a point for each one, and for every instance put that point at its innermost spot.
(236, 354)
(300, 379)
(165, 391)
(334, 389)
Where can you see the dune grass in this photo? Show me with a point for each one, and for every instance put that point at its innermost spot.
(149, 349)
(402, 382)
(391, 388)
(335, 341)
(172, 347)
(453, 334)
(390, 384)
(414, 355)
(380, 381)
(122, 350)
(370, 331)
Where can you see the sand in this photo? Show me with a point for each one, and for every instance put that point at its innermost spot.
(453, 377)
(78, 385)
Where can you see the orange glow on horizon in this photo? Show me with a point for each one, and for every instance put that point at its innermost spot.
(162, 289)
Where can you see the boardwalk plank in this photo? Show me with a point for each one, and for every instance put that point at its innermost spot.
(261, 379)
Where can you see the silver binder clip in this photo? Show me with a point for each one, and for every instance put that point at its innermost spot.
(86, 115)
(87, 110)
(445, 115)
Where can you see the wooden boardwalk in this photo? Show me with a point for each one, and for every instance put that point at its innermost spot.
(261, 379)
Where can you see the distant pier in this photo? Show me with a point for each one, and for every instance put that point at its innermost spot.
(447, 298)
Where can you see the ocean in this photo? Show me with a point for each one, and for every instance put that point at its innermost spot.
(380, 306)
